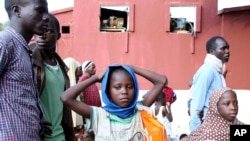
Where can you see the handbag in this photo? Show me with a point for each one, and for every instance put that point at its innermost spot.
(153, 127)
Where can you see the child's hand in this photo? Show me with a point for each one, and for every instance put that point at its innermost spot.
(46, 129)
(101, 74)
(168, 104)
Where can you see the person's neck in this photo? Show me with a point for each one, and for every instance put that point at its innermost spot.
(27, 36)
(49, 57)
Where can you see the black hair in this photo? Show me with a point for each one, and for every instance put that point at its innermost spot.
(54, 22)
(211, 43)
(8, 4)
(182, 136)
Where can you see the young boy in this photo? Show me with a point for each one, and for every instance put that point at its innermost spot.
(52, 80)
(163, 113)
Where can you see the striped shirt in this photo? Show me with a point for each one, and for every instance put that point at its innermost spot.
(19, 110)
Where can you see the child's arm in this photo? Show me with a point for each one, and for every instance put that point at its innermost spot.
(69, 96)
(169, 113)
(158, 80)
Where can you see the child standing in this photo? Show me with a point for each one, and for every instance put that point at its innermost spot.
(222, 112)
(119, 119)
(163, 113)
(52, 80)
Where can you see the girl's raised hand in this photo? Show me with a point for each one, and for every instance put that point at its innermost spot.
(101, 75)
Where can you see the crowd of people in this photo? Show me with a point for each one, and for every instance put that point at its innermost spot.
(44, 97)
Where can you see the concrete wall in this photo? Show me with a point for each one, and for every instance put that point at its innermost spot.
(149, 45)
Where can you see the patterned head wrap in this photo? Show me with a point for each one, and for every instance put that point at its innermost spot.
(110, 106)
(214, 126)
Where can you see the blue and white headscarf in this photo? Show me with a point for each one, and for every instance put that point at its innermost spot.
(110, 106)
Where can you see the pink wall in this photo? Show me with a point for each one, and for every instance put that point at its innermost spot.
(236, 28)
(65, 17)
(150, 46)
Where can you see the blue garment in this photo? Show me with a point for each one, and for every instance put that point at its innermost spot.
(206, 80)
(112, 107)
(20, 114)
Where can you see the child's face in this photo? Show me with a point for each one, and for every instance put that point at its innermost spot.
(92, 69)
(121, 88)
(228, 105)
(50, 37)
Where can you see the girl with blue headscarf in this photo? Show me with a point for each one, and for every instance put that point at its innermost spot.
(119, 118)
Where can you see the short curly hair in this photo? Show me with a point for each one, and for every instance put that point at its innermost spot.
(211, 43)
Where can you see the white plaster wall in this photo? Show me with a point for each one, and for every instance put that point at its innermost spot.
(232, 3)
(180, 122)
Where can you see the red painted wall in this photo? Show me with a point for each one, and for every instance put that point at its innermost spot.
(150, 46)
(236, 28)
(65, 17)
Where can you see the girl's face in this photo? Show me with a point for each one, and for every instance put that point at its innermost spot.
(121, 88)
(91, 70)
(228, 105)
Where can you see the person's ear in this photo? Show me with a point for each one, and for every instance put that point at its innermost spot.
(59, 36)
(211, 51)
(16, 10)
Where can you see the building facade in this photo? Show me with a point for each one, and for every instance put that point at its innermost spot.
(166, 36)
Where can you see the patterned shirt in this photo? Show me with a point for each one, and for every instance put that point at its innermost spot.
(19, 111)
(91, 94)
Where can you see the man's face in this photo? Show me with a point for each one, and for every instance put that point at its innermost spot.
(221, 51)
(34, 16)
